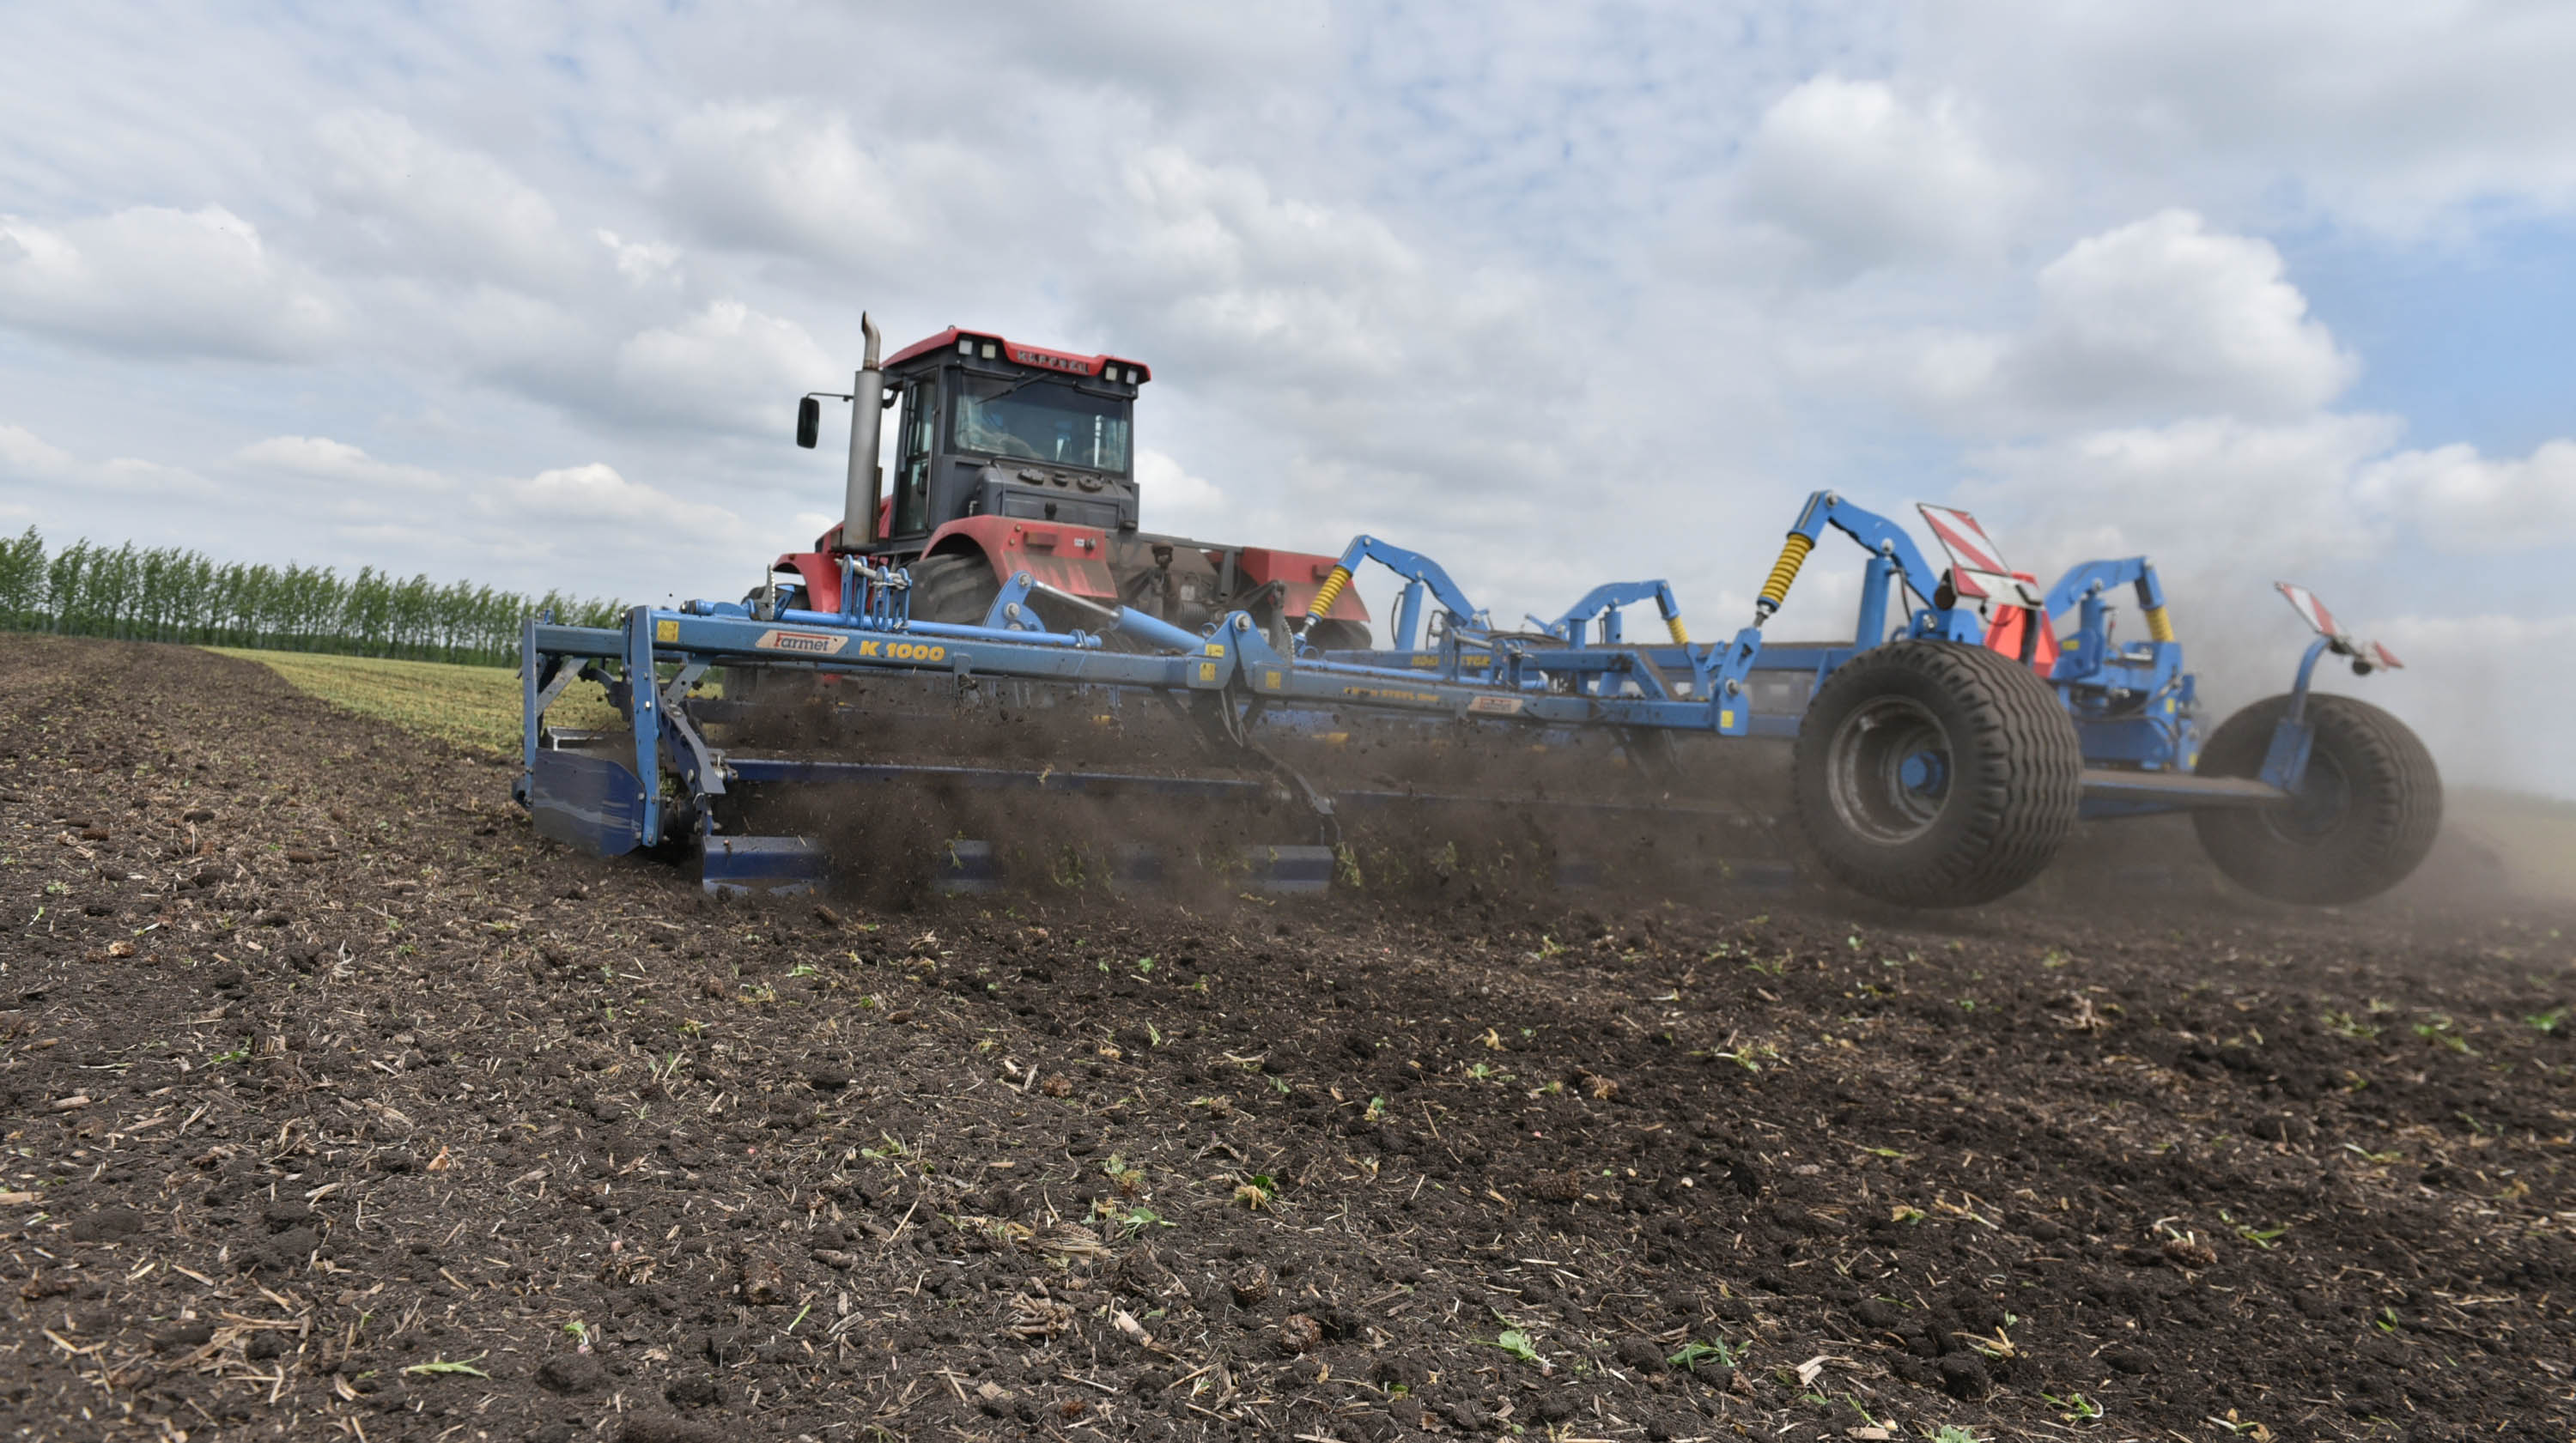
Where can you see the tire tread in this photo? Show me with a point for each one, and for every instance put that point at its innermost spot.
(2404, 789)
(953, 587)
(2027, 786)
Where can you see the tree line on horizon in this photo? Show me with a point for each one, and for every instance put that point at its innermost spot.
(169, 593)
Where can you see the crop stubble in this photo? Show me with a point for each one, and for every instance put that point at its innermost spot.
(339, 1102)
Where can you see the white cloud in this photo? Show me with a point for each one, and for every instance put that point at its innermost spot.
(2296, 495)
(2462, 501)
(641, 262)
(26, 456)
(2164, 315)
(2209, 490)
(796, 178)
(162, 281)
(30, 462)
(1381, 377)
(2392, 115)
(130, 476)
(2156, 319)
(432, 207)
(321, 459)
(1180, 504)
(727, 367)
(1858, 178)
(596, 496)
(1276, 286)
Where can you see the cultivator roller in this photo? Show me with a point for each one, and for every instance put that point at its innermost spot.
(957, 664)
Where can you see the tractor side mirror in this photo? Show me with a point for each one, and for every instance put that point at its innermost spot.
(809, 420)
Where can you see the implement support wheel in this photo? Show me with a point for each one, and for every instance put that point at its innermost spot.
(1932, 774)
(2363, 817)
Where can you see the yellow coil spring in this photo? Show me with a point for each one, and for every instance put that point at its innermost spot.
(1329, 592)
(2158, 628)
(1793, 554)
(1681, 633)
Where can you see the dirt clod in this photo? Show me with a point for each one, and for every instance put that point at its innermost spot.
(1964, 1376)
(572, 1373)
(693, 1390)
(107, 1224)
(763, 1282)
(658, 1428)
(2187, 1251)
(1299, 1333)
(1250, 1287)
(186, 1335)
(2134, 1361)
(1556, 1187)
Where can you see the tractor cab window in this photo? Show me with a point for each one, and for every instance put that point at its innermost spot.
(912, 462)
(1042, 420)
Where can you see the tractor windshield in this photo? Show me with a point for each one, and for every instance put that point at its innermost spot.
(1042, 420)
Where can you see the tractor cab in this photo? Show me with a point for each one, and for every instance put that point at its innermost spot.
(1013, 460)
(993, 427)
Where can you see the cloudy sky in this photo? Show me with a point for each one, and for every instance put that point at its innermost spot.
(1557, 293)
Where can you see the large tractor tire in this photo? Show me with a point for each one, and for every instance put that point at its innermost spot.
(1932, 774)
(2364, 815)
(958, 589)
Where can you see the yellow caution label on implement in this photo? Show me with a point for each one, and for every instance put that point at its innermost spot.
(666, 630)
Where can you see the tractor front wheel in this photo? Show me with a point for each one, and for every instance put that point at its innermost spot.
(955, 588)
(1931, 774)
(2364, 815)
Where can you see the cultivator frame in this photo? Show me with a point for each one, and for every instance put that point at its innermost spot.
(657, 784)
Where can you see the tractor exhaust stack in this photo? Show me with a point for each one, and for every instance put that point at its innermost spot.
(867, 406)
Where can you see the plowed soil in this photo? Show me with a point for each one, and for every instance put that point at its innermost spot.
(339, 1105)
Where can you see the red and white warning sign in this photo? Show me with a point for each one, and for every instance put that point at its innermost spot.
(2387, 659)
(1969, 547)
(2311, 610)
(2018, 589)
(1977, 569)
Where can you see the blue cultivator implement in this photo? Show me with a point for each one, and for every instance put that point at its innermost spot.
(1940, 757)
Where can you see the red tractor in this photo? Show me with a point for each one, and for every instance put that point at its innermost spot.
(1015, 459)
